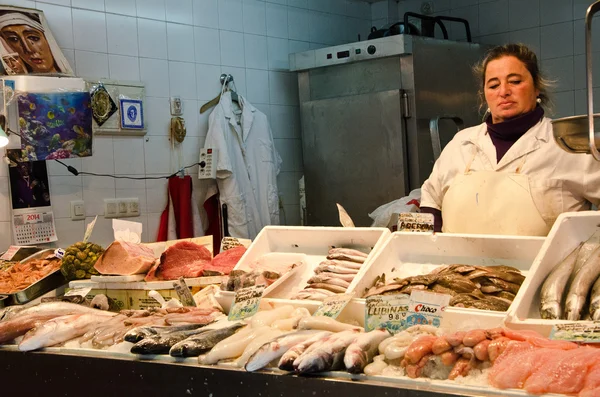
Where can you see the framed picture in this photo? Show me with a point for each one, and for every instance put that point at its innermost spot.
(27, 45)
(132, 114)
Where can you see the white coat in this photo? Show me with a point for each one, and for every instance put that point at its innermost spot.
(559, 181)
(247, 166)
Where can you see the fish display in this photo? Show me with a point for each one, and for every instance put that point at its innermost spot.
(21, 275)
(334, 274)
(164, 341)
(204, 342)
(479, 287)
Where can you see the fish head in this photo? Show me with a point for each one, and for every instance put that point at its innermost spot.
(551, 310)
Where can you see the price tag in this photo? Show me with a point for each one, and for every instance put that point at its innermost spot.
(89, 230)
(232, 242)
(10, 252)
(332, 306)
(386, 311)
(415, 222)
(246, 302)
(426, 308)
(79, 291)
(59, 253)
(581, 331)
(185, 296)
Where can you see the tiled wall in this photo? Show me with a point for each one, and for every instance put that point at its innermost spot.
(553, 28)
(180, 48)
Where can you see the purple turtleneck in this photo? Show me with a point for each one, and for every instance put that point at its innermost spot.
(503, 136)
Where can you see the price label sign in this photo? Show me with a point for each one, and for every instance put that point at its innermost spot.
(183, 291)
(246, 302)
(79, 291)
(232, 242)
(386, 311)
(581, 331)
(426, 308)
(332, 306)
(10, 252)
(89, 230)
(59, 253)
(415, 222)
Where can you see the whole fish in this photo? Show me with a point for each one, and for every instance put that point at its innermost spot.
(325, 323)
(202, 343)
(595, 301)
(230, 347)
(162, 343)
(348, 251)
(275, 348)
(265, 337)
(320, 278)
(341, 263)
(586, 250)
(322, 267)
(363, 349)
(267, 317)
(61, 329)
(581, 285)
(286, 362)
(329, 287)
(346, 277)
(329, 356)
(26, 319)
(138, 333)
(345, 257)
(551, 294)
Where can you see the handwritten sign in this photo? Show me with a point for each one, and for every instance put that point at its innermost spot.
(246, 302)
(386, 311)
(79, 291)
(232, 242)
(332, 306)
(426, 308)
(581, 331)
(415, 222)
(183, 292)
(10, 252)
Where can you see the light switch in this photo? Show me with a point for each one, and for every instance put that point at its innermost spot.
(77, 210)
(110, 208)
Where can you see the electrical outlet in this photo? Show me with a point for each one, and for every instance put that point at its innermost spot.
(111, 208)
(122, 207)
(133, 207)
(77, 210)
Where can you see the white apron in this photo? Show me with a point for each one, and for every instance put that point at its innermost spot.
(490, 202)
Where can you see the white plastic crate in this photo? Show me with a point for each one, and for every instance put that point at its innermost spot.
(407, 254)
(311, 242)
(570, 229)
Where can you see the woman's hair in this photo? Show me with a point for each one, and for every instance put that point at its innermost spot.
(523, 54)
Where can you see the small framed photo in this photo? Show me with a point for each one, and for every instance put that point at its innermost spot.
(132, 114)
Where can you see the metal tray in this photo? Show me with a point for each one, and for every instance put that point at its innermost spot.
(40, 287)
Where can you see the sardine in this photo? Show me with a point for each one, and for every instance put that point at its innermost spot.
(325, 324)
(581, 285)
(320, 278)
(162, 343)
(276, 348)
(345, 257)
(551, 294)
(329, 356)
(329, 287)
(202, 343)
(286, 362)
(341, 263)
(347, 251)
(363, 349)
(595, 301)
(26, 319)
(61, 329)
(334, 269)
(346, 277)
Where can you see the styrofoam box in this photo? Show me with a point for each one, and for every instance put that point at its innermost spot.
(311, 242)
(570, 229)
(408, 254)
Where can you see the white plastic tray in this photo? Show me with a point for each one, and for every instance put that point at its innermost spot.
(418, 253)
(570, 229)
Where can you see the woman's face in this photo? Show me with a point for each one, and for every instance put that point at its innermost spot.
(32, 47)
(14, 63)
(509, 89)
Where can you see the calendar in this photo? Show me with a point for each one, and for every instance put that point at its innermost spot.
(34, 227)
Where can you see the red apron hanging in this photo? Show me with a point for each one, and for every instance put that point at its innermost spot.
(179, 207)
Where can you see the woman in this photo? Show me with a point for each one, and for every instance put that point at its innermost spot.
(507, 175)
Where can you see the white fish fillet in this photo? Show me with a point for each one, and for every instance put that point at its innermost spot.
(267, 317)
(275, 348)
(363, 349)
(325, 324)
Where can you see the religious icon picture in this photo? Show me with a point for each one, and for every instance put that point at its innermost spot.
(29, 185)
(27, 45)
(132, 114)
(103, 105)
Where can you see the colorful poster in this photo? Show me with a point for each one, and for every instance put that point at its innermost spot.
(55, 125)
(27, 45)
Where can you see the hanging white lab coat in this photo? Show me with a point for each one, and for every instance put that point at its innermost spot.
(247, 166)
(559, 181)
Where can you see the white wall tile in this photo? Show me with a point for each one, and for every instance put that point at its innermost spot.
(299, 3)
(462, 3)
(282, 2)
(127, 152)
(132, 188)
(208, 47)
(124, 68)
(157, 153)
(564, 104)
(180, 42)
(153, 223)
(19, 3)
(529, 37)
(284, 88)
(206, 13)
(103, 233)
(69, 232)
(63, 190)
(277, 21)
(207, 80)
(70, 57)
(579, 35)
(182, 78)
(287, 184)
(102, 162)
(158, 116)
(560, 70)
(232, 48)
(57, 169)
(279, 51)
(153, 73)
(156, 195)
(5, 206)
(298, 46)
(554, 11)
(191, 150)
(230, 15)
(152, 36)
(379, 10)
(190, 115)
(123, 7)
(122, 35)
(360, 9)
(471, 14)
(59, 2)
(255, 17)
(91, 64)
(580, 74)
(523, 14)
(495, 39)
(298, 22)
(285, 122)
(96, 5)
(152, 9)
(323, 6)
(89, 29)
(180, 11)
(557, 40)
(60, 22)
(203, 122)
(239, 76)
(95, 190)
(257, 86)
(290, 215)
(493, 17)
(290, 151)
(256, 51)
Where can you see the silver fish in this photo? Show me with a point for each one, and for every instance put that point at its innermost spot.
(202, 343)
(551, 294)
(348, 251)
(138, 333)
(162, 343)
(586, 250)
(345, 257)
(329, 287)
(286, 362)
(581, 285)
(320, 278)
(323, 267)
(595, 301)
(276, 348)
(329, 356)
(363, 349)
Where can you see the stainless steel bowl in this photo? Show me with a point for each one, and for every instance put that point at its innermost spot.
(572, 133)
